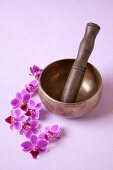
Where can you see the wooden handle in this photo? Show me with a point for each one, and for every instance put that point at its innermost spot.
(76, 74)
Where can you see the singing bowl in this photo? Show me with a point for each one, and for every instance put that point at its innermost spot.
(51, 84)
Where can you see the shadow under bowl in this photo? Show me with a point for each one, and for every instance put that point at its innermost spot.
(52, 82)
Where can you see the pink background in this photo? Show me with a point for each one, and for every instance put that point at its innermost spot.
(39, 32)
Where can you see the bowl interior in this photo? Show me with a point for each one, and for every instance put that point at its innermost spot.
(54, 76)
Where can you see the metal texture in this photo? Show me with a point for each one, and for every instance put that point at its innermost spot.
(52, 82)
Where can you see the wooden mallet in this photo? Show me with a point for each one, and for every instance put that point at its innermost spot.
(78, 69)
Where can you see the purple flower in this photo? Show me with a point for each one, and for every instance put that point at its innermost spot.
(25, 115)
(16, 119)
(52, 132)
(32, 86)
(35, 146)
(36, 71)
(29, 128)
(21, 100)
(33, 109)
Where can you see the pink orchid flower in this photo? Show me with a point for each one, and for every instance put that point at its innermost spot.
(21, 100)
(16, 119)
(29, 128)
(33, 109)
(52, 132)
(35, 146)
(36, 71)
(32, 87)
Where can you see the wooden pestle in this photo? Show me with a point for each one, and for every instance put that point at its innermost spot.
(78, 69)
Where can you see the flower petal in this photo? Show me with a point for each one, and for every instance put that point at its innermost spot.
(27, 146)
(23, 106)
(55, 128)
(34, 139)
(23, 118)
(19, 95)
(36, 115)
(18, 125)
(12, 126)
(34, 154)
(42, 144)
(9, 119)
(31, 69)
(15, 102)
(35, 68)
(24, 91)
(34, 124)
(28, 133)
(17, 113)
(43, 136)
(32, 103)
(22, 131)
(26, 98)
(30, 88)
(35, 131)
(34, 82)
(39, 106)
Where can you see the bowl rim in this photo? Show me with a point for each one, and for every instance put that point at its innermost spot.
(80, 102)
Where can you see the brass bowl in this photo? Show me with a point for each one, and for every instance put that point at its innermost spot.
(51, 84)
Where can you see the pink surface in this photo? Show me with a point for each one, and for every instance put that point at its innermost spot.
(39, 32)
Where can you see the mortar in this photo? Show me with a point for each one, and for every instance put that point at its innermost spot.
(52, 82)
